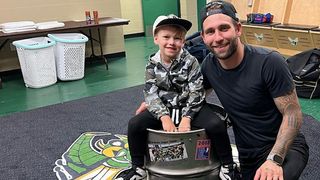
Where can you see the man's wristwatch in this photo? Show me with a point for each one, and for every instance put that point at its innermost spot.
(275, 158)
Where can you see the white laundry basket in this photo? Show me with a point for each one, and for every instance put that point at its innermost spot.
(36, 57)
(69, 55)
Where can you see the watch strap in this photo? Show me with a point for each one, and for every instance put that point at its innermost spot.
(275, 158)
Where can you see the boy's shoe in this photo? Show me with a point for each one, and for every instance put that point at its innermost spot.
(229, 172)
(134, 173)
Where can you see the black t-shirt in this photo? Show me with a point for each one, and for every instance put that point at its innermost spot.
(246, 92)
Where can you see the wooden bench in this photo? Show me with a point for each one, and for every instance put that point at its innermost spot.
(315, 35)
(292, 38)
(288, 39)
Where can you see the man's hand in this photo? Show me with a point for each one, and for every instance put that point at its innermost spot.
(184, 125)
(167, 124)
(142, 107)
(269, 170)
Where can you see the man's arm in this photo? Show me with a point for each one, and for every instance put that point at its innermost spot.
(291, 122)
(142, 107)
(289, 106)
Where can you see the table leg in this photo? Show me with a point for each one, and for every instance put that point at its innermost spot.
(3, 43)
(91, 42)
(93, 56)
(101, 51)
(1, 46)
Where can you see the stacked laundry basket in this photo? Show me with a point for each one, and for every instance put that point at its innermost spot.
(36, 57)
(44, 59)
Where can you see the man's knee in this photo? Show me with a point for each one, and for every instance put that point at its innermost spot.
(216, 126)
(296, 158)
(294, 169)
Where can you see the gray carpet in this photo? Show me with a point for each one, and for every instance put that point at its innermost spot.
(31, 142)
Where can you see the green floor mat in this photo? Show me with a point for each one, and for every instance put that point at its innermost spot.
(310, 107)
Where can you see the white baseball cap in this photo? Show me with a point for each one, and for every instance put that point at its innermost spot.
(171, 20)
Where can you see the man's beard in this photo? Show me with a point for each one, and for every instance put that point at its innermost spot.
(233, 45)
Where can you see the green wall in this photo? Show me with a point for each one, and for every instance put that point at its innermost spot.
(200, 5)
(151, 9)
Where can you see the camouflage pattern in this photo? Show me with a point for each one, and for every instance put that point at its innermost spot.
(177, 87)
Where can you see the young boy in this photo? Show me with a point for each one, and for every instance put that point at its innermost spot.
(175, 98)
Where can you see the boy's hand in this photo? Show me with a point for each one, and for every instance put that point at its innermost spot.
(184, 125)
(167, 124)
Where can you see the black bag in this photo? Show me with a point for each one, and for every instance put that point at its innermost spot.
(196, 47)
(305, 69)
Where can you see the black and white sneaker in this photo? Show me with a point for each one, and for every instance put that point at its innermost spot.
(229, 172)
(134, 173)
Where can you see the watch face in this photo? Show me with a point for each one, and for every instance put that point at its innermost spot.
(278, 159)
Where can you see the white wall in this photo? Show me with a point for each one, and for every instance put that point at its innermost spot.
(60, 10)
(189, 11)
(132, 9)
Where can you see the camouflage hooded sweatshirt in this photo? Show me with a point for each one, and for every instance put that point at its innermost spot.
(178, 86)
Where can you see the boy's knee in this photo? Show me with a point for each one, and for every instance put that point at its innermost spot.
(216, 126)
(134, 123)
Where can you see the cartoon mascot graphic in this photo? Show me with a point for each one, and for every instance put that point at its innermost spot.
(94, 155)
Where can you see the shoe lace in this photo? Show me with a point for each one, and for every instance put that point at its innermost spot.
(225, 170)
(229, 172)
(131, 172)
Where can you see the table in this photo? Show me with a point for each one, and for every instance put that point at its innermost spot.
(69, 27)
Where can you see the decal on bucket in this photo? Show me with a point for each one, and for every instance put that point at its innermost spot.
(203, 149)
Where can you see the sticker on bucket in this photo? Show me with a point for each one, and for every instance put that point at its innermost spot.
(203, 149)
(167, 152)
